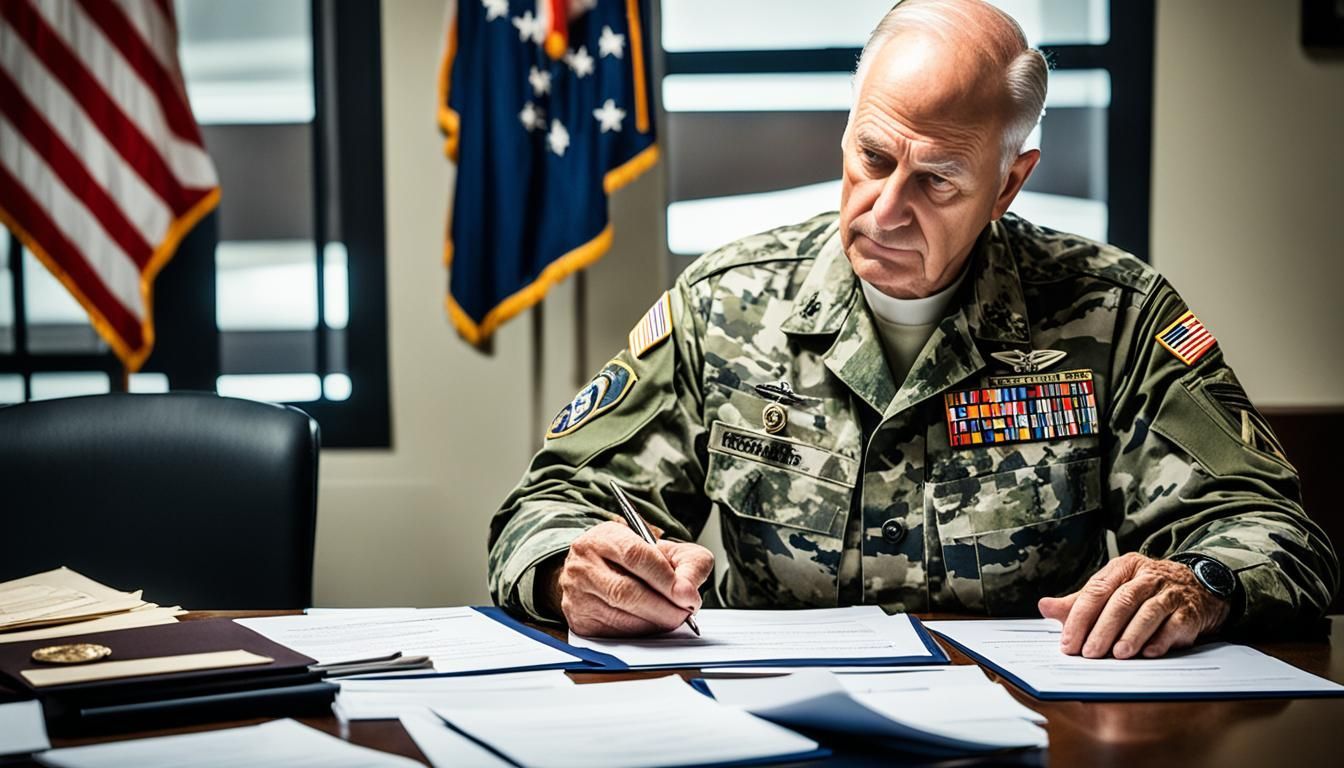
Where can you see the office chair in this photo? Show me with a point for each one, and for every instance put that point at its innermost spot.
(202, 501)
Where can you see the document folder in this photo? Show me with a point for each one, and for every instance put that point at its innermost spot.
(209, 692)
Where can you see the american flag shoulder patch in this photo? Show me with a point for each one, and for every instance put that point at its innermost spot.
(1187, 338)
(653, 328)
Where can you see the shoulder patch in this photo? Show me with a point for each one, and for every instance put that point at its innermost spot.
(1187, 338)
(598, 396)
(653, 328)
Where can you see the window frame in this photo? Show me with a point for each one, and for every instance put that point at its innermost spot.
(1127, 56)
(347, 92)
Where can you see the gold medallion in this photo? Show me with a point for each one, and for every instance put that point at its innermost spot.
(76, 653)
(774, 417)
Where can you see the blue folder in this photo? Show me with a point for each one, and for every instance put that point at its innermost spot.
(1138, 696)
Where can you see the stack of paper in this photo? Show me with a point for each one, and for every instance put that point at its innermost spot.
(860, 635)
(387, 698)
(1026, 651)
(930, 710)
(634, 724)
(62, 602)
(277, 744)
(456, 640)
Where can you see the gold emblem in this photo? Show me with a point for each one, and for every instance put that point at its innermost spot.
(76, 653)
(775, 417)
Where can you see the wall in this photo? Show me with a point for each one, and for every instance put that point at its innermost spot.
(1248, 191)
(408, 526)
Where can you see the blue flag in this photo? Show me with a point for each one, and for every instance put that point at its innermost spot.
(547, 109)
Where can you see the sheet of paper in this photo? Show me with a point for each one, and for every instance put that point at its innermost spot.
(871, 679)
(22, 728)
(129, 620)
(59, 596)
(634, 724)
(727, 637)
(1029, 650)
(965, 717)
(445, 748)
(157, 665)
(277, 744)
(455, 639)
(389, 698)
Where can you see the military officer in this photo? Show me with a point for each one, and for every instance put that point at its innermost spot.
(924, 403)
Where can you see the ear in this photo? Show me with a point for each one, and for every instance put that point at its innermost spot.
(1017, 176)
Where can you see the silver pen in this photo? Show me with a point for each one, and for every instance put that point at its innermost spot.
(637, 524)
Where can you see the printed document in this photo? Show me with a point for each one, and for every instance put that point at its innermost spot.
(728, 637)
(455, 639)
(277, 744)
(634, 724)
(964, 716)
(387, 698)
(22, 728)
(1029, 650)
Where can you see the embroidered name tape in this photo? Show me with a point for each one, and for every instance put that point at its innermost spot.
(653, 328)
(782, 452)
(1017, 409)
(1187, 338)
(598, 396)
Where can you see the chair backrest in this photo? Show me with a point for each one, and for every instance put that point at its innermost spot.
(202, 501)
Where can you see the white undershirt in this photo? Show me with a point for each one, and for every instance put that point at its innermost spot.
(905, 325)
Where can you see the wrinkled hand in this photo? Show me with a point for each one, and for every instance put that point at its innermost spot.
(613, 583)
(1133, 605)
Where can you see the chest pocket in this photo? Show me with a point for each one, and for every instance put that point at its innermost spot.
(1011, 537)
(778, 480)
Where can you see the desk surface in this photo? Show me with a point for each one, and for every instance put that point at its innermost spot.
(1185, 734)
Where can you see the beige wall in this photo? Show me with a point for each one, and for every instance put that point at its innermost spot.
(1248, 176)
(1248, 191)
(408, 526)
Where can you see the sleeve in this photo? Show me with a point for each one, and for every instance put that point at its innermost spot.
(652, 442)
(1194, 467)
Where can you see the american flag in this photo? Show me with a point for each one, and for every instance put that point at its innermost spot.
(1187, 338)
(655, 326)
(102, 167)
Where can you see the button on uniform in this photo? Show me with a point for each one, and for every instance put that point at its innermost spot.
(893, 531)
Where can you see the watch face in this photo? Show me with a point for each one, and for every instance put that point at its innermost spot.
(1217, 577)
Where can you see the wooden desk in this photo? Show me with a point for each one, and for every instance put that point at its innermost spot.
(1299, 732)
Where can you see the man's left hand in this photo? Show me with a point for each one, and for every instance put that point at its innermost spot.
(1134, 605)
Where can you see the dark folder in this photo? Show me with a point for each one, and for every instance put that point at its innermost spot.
(285, 686)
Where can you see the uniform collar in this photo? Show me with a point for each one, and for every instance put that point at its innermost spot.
(995, 310)
(990, 307)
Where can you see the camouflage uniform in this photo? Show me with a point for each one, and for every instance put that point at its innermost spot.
(1182, 461)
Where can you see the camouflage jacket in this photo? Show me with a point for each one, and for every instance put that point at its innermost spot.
(1171, 457)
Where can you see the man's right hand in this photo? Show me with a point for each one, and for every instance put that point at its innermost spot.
(613, 583)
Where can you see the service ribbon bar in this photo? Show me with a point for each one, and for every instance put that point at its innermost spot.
(1015, 409)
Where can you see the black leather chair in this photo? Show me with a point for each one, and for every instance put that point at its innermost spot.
(202, 501)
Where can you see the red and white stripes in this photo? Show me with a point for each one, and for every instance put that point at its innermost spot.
(102, 167)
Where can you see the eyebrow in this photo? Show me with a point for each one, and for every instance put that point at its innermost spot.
(948, 167)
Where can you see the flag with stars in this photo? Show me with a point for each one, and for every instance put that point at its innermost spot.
(546, 106)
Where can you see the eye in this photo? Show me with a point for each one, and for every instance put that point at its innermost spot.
(872, 158)
(938, 183)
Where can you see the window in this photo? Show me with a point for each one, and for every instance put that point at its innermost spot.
(279, 294)
(745, 92)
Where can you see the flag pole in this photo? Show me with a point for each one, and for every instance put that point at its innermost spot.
(538, 371)
(581, 371)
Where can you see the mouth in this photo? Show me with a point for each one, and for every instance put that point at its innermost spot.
(874, 249)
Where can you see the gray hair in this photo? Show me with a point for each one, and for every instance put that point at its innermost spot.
(1024, 68)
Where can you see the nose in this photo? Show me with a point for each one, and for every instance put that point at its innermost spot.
(892, 208)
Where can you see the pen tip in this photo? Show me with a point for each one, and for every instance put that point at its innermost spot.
(690, 622)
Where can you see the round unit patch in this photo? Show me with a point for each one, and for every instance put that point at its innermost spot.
(598, 396)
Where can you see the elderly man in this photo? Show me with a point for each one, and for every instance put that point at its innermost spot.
(922, 403)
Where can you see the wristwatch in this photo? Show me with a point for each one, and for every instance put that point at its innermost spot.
(1211, 574)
